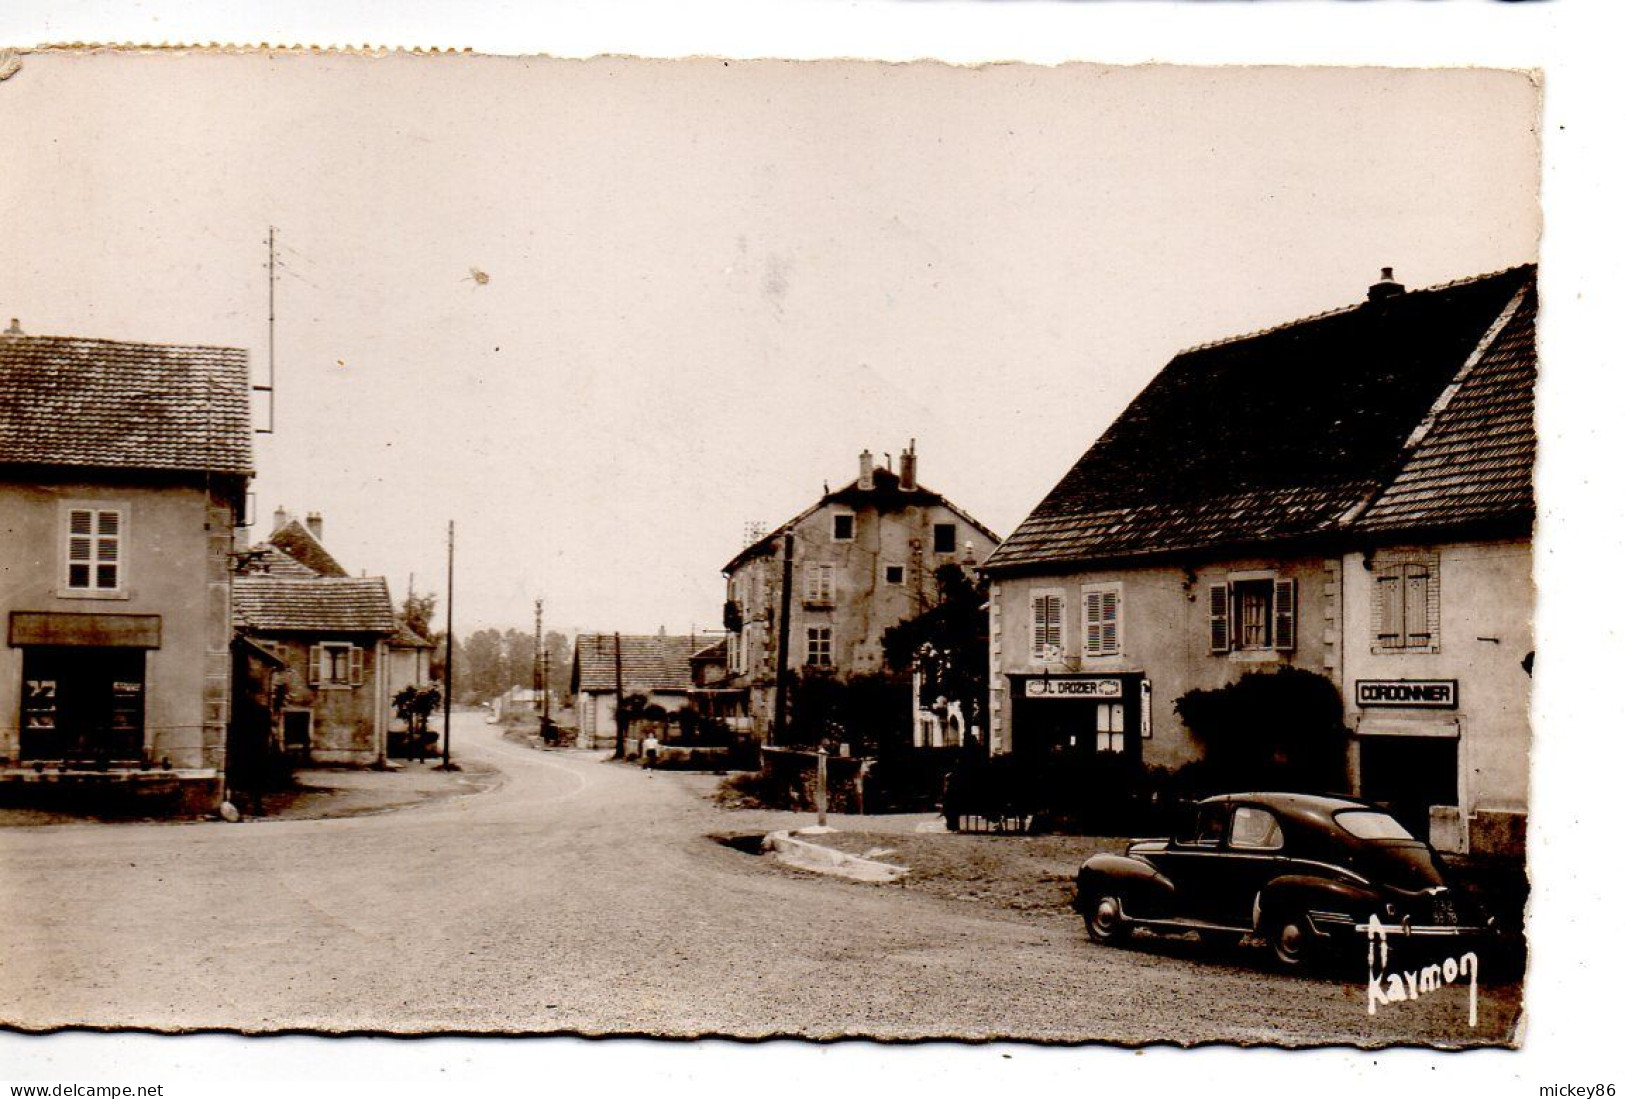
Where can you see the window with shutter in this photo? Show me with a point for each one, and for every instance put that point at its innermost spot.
(1101, 633)
(1218, 617)
(314, 676)
(1404, 603)
(1416, 606)
(1047, 639)
(357, 667)
(1286, 615)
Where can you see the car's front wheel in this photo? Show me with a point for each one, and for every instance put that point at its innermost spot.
(1291, 940)
(1103, 916)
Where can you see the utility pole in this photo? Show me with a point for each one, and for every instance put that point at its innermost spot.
(536, 682)
(269, 388)
(781, 694)
(451, 640)
(620, 703)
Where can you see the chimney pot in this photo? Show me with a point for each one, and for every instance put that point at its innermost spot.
(279, 519)
(907, 469)
(313, 523)
(15, 329)
(866, 471)
(1385, 287)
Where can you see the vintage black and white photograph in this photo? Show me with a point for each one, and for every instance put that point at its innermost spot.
(617, 547)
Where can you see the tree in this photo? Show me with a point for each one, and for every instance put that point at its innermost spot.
(1273, 730)
(417, 613)
(947, 644)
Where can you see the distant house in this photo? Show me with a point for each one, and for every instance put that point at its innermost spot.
(407, 656)
(334, 634)
(1347, 494)
(123, 473)
(610, 666)
(860, 560)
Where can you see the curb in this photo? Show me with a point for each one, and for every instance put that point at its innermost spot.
(805, 855)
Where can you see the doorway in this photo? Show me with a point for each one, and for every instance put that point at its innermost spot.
(1408, 774)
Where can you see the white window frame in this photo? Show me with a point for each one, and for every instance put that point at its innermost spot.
(1111, 730)
(834, 519)
(1281, 614)
(120, 541)
(1103, 619)
(1042, 649)
(819, 584)
(822, 646)
(320, 662)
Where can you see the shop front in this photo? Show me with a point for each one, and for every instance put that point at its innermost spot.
(1078, 716)
(1408, 737)
(84, 686)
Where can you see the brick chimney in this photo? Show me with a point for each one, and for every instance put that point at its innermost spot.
(313, 523)
(15, 329)
(907, 469)
(1385, 287)
(866, 471)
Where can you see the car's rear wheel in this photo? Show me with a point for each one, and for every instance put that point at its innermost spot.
(1291, 940)
(1103, 916)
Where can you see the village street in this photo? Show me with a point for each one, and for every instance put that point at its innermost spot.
(585, 896)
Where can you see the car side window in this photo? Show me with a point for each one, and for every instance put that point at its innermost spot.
(1210, 825)
(1255, 829)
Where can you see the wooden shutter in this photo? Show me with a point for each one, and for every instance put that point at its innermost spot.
(1286, 614)
(1046, 625)
(1390, 611)
(1109, 605)
(1218, 617)
(1094, 620)
(1416, 606)
(315, 664)
(356, 665)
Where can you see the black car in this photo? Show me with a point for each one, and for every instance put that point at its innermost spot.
(1305, 872)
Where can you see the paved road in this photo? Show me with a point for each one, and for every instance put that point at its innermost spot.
(583, 896)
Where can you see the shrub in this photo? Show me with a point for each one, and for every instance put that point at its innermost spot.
(1282, 730)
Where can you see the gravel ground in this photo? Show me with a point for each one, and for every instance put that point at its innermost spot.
(585, 897)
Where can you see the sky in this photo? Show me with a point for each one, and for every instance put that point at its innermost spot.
(603, 314)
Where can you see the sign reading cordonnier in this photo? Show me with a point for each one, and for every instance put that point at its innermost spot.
(1074, 688)
(1436, 694)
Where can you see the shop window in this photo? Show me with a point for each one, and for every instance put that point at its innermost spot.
(844, 525)
(83, 703)
(1253, 612)
(1048, 640)
(1102, 617)
(820, 653)
(1109, 736)
(944, 537)
(1405, 603)
(94, 545)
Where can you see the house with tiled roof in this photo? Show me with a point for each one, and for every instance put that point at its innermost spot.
(335, 635)
(123, 474)
(857, 561)
(611, 666)
(1277, 499)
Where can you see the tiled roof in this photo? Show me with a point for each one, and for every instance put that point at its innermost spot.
(405, 637)
(358, 604)
(887, 496)
(294, 539)
(1474, 462)
(648, 663)
(265, 559)
(1264, 437)
(98, 403)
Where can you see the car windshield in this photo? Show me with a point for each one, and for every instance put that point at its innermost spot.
(1368, 824)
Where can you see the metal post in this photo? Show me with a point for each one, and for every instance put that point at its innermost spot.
(451, 640)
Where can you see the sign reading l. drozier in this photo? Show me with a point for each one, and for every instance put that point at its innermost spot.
(1057, 687)
(1437, 694)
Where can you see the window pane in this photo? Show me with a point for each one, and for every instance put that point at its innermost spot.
(79, 522)
(107, 549)
(107, 576)
(107, 523)
(78, 576)
(78, 549)
(1255, 828)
